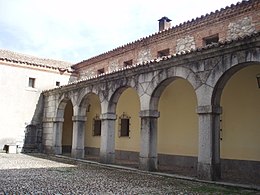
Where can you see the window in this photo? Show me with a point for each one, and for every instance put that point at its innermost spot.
(31, 82)
(57, 83)
(100, 71)
(96, 126)
(210, 40)
(162, 53)
(124, 125)
(128, 63)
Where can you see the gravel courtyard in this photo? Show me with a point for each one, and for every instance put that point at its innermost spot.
(38, 174)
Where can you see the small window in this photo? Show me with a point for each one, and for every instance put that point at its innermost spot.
(100, 71)
(210, 40)
(124, 125)
(57, 83)
(162, 53)
(96, 126)
(128, 63)
(31, 82)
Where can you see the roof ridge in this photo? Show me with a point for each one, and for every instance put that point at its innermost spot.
(159, 59)
(16, 57)
(33, 56)
(222, 12)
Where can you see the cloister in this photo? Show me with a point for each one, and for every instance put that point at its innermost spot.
(197, 107)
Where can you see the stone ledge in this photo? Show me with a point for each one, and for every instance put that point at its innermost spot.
(149, 113)
(79, 118)
(52, 119)
(209, 109)
(108, 116)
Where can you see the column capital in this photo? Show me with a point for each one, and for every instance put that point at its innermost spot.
(58, 119)
(108, 116)
(209, 109)
(149, 113)
(79, 118)
(53, 119)
(47, 120)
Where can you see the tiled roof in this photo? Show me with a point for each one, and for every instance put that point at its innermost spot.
(14, 57)
(165, 58)
(228, 11)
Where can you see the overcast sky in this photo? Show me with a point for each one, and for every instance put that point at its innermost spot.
(75, 30)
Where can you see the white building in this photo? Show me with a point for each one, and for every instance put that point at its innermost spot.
(22, 79)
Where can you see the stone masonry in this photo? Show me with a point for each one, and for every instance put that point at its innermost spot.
(206, 69)
(240, 28)
(226, 24)
(186, 43)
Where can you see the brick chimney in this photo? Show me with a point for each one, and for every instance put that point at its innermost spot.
(164, 23)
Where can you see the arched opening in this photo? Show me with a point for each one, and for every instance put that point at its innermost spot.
(240, 133)
(127, 130)
(177, 128)
(92, 127)
(67, 129)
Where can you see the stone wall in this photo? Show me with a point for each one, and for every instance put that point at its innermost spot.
(22, 105)
(186, 43)
(240, 28)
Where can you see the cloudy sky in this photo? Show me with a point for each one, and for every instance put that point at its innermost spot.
(75, 30)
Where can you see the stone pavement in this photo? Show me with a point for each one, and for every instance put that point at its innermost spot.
(40, 174)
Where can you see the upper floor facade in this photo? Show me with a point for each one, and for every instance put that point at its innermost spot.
(22, 80)
(222, 25)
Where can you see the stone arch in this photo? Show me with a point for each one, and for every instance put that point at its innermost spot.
(61, 107)
(59, 121)
(158, 90)
(114, 99)
(123, 105)
(62, 102)
(177, 130)
(150, 84)
(224, 78)
(83, 102)
(89, 107)
(236, 92)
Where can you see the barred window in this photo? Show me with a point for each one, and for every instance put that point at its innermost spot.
(128, 63)
(100, 71)
(164, 52)
(124, 125)
(96, 126)
(210, 40)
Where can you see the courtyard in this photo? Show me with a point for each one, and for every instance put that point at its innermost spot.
(41, 174)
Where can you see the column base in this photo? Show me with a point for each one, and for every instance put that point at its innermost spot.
(77, 153)
(57, 150)
(148, 164)
(208, 172)
(107, 158)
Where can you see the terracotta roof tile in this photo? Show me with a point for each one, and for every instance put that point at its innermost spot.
(194, 23)
(14, 57)
(157, 60)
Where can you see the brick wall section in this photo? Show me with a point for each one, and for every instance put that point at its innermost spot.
(229, 23)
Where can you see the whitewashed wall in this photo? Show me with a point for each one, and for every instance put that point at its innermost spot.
(18, 101)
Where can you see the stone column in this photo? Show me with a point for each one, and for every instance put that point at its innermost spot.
(148, 151)
(47, 135)
(57, 135)
(107, 147)
(209, 142)
(78, 137)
